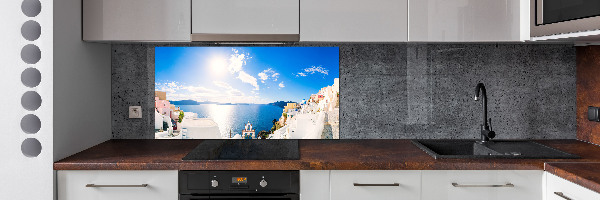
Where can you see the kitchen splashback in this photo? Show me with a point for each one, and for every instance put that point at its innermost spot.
(393, 91)
(588, 84)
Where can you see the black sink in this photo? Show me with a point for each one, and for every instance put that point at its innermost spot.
(493, 149)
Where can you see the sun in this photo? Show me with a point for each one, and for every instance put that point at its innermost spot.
(218, 65)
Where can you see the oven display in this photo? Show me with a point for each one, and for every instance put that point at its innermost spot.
(239, 180)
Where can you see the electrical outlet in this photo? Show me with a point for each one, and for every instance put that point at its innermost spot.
(135, 112)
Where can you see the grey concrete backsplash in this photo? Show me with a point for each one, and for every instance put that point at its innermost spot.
(393, 91)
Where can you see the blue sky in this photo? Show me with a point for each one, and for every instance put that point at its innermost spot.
(244, 74)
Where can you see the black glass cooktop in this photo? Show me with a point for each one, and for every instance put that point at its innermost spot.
(245, 150)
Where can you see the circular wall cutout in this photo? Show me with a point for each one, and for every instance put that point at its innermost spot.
(31, 54)
(31, 147)
(31, 8)
(30, 124)
(31, 77)
(31, 100)
(31, 30)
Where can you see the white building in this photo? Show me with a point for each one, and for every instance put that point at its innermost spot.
(201, 128)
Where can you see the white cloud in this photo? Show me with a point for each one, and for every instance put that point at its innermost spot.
(263, 77)
(268, 73)
(300, 74)
(173, 84)
(281, 85)
(169, 87)
(222, 84)
(316, 69)
(236, 61)
(199, 89)
(246, 78)
(228, 89)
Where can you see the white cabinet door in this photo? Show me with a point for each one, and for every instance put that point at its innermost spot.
(482, 184)
(561, 189)
(245, 16)
(468, 20)
(314, 185)
(354, 20)
(375, 185)
(136, 20)
(117, 185)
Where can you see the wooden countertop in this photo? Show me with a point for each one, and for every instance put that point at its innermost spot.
(314, 155)
(581, 173)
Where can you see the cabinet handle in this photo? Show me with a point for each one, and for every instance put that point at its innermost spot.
(505, 185)
(362, 184)
(94, 185)
(560, 194)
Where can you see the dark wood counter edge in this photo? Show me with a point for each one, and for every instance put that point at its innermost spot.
(217, 165)
(581, 173)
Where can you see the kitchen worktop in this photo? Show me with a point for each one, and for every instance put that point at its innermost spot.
(314, 155)
(582, 173)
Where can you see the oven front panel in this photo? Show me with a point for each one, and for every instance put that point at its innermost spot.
(239, 184)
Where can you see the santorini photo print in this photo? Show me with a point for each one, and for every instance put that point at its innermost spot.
(247, 93)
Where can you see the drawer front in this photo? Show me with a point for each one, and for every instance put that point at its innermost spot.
(113, 185)
(314, 184)
(354, 20)
(246, 17)
(566, 190)
(377, 185)
(136, 20)
(482, 184)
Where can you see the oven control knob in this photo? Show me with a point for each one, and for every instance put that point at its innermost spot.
(263, 183)
(214, 183)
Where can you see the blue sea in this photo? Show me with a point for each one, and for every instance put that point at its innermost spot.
(234, 117)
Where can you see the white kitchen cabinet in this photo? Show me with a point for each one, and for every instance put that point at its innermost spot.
(482, 184)
(379, 184)
(354, 20)
(468, 20)
(227, 20)
(561, 189)
(117, 184)
(136, 20)
(314, 184)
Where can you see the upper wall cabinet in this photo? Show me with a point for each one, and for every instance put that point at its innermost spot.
(468, 20)
(245, 20)
(354, 20)
(136, 20)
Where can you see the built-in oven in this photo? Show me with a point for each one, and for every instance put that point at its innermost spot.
(233, 185)
(553, 17)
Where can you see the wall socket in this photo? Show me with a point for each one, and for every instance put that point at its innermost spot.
(135, 112)
(593, 114)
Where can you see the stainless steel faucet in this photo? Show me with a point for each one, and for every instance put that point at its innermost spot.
(486, 130)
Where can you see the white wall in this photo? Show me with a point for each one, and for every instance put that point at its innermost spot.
(82, 84)
(24, 177)
(75, 91)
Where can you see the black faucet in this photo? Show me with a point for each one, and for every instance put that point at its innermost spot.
(486, 129)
